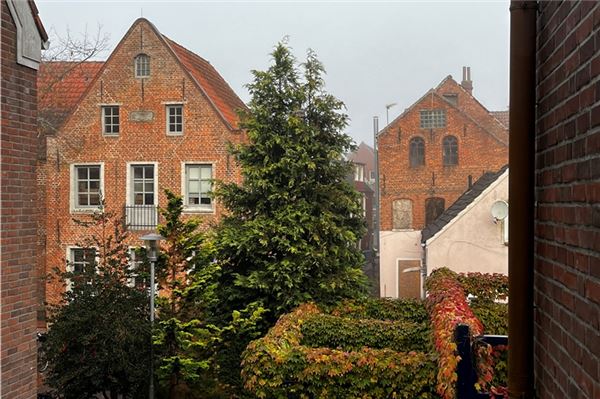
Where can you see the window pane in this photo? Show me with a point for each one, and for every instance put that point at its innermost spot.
(138, 187)
(194, 186)
(82, 186)
(205, 201)
(82, 173)
(149, 199)
(95, 185)
(139, 199)
(138, 172)
(149, 187)
(194, 200)
(193, 172)
(205, 187)
(94, 199)
(94, 173)
(206, 172)
(149, 172)
(83, 200)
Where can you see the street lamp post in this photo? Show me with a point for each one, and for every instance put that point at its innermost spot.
(151, 242)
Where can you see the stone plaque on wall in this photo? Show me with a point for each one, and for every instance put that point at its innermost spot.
(402, 214)
(141, 116)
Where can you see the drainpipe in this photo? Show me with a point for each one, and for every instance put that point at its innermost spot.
(521, 194)
(376, 221)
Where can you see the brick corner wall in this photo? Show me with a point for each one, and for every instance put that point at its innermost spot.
(567, 225)
(18, 239)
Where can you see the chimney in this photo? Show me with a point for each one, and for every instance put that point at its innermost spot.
(466, 83)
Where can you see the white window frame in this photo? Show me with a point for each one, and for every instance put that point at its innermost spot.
(135, 65)
(168, 107)
(184, 188)
(103, 108)
(129, 200)
(359, 172)
(73, 199)
(132, 265)
(69, 265)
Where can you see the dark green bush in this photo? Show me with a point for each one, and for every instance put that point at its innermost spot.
(384, 309)
(350, 334)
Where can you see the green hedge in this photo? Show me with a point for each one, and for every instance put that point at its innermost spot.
(351, 334)
(493, 316)
(279, 366)
(384, 309)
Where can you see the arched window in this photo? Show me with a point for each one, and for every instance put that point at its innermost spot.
(450, 150)
(416, 151)
(142, 66)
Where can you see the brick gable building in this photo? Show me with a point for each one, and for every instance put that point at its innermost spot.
(154, 116)
(22, 39)
(428, 157)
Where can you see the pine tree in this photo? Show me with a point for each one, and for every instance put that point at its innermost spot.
(291, 232)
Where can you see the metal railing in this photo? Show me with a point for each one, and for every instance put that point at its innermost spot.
(141, 217)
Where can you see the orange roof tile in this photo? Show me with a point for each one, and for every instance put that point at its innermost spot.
(215, 87)
(60, 86)
(502, 117)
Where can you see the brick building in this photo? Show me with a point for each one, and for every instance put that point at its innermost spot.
(364, 182)
(154, 116)
(428, 157)
(566, 281)
(22, 39)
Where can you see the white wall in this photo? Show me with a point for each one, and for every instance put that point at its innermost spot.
(396, 245)
(472, 242)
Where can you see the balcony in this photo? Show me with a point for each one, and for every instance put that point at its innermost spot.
(141, 217)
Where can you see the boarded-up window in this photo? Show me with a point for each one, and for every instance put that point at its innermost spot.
(402, 214)
(434, 207)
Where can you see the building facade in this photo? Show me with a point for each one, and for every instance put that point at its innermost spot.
(153, 116)
(428, 157)
(22, 40)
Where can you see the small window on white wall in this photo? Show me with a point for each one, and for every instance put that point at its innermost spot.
(198, 187)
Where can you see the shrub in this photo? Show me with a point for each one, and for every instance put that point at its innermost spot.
(350, 334)
(447, 306)
(279, 366)
(384, 309)
(493, 316)
(486, 287)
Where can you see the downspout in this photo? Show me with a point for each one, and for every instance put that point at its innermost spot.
(376, 221)
(521, 195)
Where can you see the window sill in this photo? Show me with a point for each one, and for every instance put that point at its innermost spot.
(86, 210)
(111, 135)
(174, 134)
(188, 209)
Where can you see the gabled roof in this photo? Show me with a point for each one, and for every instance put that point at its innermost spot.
(490, 125)
(215, 87)
(65, 95)
(461, 203)
(61, 85)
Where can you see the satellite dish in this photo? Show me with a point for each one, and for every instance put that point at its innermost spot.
(500, 210)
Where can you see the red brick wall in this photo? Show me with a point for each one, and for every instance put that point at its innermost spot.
(204, 139)
(478, 151)
(567, 226)
(18, 207)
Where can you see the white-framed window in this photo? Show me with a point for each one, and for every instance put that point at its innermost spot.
(81, 258)
(359, 172)
(197, 186)
(142, 184)
(175, 119)
(142, 66)
(87, 185)
(135, 265)
(110, 120)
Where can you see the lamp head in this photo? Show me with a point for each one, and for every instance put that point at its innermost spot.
(151, 242)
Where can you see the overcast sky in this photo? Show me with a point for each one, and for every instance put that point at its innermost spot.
(375, 53)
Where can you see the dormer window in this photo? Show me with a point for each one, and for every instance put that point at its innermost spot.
(142, 66)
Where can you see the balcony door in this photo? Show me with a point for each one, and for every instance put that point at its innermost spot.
(141, 207)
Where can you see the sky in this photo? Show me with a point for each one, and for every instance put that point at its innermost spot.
(375, 53)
